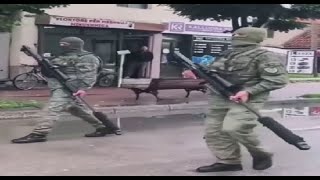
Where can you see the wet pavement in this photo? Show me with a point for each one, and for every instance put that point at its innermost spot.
(162, 145)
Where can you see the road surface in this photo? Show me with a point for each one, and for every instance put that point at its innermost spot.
(164, 146)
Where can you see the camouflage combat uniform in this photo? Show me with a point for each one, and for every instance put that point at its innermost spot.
(82, 68)
(228, 124)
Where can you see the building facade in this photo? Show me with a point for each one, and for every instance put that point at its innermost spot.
(107, 28)
(197, 40)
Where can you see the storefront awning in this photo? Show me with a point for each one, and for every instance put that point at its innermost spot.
(97, 23)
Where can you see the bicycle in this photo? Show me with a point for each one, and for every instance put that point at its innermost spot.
(29, 80)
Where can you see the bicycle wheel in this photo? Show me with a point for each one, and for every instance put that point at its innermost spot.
(25, 81)
(107, 80)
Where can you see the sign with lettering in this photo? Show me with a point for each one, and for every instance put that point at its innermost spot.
(211, 38)
(300, 62)
(295, 112)
(205, 28)
(210, 45)
(176, 27)
(196, 29)
(90, 22)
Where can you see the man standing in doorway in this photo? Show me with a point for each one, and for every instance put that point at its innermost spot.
(146, 57)
(138, 63)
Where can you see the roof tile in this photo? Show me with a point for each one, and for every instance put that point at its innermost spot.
(302, 41)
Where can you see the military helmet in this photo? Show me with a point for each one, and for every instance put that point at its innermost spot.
(249, 36)
(72, 43)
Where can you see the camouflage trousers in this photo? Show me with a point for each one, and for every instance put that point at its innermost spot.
(228, 127)
(59, 104)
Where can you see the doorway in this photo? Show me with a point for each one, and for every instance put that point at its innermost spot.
(168, 67)
(133, 43)
(105, 49)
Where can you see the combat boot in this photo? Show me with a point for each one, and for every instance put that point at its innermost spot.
(101, 132)
(219, 167)
(262, 162)
(109, 126)
(31, 138)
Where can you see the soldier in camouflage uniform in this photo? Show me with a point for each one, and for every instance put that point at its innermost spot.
(228, 124)
(82, 67)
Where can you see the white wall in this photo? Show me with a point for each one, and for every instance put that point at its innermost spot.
(277, 50)
(156, 50)
(156, 14)
(4, 58)
(25, 34)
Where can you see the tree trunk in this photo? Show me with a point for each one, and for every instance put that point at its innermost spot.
(244, 21)
(235, 23)
(314, 47)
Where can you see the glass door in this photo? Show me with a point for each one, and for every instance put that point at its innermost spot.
(106, 50)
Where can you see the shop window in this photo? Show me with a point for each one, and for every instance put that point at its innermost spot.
(169, 68)
(104, 50)
(137, 6)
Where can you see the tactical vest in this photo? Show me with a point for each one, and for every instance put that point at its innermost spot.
(67, 64)
(238, 68)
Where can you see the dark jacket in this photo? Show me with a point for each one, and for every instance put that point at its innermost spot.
(146, 56)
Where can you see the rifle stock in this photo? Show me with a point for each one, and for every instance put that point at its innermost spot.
(64, 80)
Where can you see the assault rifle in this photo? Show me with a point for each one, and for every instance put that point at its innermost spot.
(221, 86)
(54, 71)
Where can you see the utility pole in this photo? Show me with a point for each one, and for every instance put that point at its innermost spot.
(314, 46)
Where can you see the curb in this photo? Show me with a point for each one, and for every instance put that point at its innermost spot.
(298, 102)
(156, 110)
(304, 80)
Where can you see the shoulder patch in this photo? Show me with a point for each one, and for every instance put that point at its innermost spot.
(271, 70)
